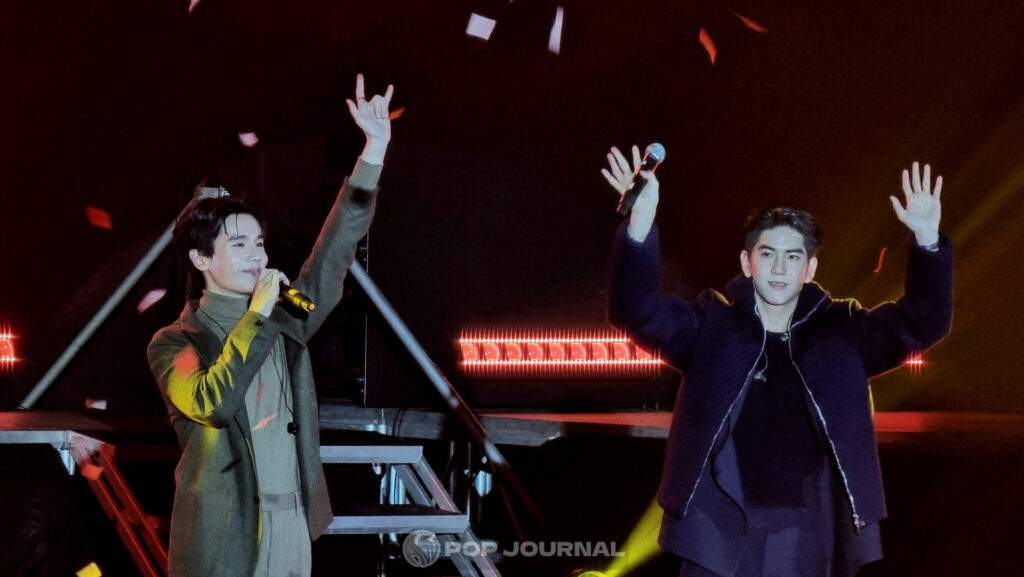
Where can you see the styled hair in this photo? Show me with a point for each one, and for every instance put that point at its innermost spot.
(799, 220)
(198, 226)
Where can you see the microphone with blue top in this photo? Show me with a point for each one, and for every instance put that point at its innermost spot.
(653, 156)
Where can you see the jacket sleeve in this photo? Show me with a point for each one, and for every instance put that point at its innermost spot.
(323, 274)
(891, 332)
(211, 395)
(659, 323)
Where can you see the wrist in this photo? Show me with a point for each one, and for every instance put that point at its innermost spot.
(639, 226)
(374, 151)
(927, 238)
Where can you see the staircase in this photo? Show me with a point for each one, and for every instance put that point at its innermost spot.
(431, 509)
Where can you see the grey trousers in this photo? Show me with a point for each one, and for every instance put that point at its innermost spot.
(285, 550)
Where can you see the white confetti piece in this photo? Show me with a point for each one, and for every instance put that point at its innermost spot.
(248, 139)
(480, 26)
(98, 404)
(150, 299)
(555, 38)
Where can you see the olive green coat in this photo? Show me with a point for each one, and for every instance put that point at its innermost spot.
(215, 523)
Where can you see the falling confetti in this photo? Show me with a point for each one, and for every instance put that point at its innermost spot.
(151, 298)
(99, 217)
(881, 259)
(555, 38)
(755, 26)
(92, 472)
(708, 43)
(248, 139)
(263, 422)
(480, 26)
(396, 113)
(98, 404)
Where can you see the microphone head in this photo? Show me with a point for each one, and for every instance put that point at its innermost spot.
(656, 152)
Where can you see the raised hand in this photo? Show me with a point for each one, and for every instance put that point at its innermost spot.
(372, 116)
(924, 207)
(620, 175)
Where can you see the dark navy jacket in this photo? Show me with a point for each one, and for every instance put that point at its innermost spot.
(716, 341)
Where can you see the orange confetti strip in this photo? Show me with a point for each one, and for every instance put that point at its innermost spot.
(881, 259)
(92, 472)
(99, 217)
(709, 44)
(753, 25)
(396, 113)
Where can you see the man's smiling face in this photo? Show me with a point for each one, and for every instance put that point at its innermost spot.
(237, 259)
(779, 265)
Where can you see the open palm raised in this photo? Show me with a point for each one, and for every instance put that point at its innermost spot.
(923, 208)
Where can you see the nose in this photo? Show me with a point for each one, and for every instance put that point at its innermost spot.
(779, 266)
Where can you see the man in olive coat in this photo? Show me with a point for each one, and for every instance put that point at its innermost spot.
(236, 376)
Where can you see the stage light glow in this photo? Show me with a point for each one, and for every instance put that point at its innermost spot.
(513, 351)
(641, 544)
(915, 363)
(7, 354)
(560, 353)
(470, 352)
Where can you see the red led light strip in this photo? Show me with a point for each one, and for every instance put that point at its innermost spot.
(554, 353)
(7, 357)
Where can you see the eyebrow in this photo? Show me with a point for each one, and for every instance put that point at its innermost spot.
(242, 237)
(799, 250)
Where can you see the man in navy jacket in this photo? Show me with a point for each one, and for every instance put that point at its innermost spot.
(772, 465)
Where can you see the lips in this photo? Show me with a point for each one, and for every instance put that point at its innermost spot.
(778, 285)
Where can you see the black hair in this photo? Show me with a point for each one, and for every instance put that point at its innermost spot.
(799, 220)
(198, 226)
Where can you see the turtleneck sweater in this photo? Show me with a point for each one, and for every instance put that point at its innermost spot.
(268, 400)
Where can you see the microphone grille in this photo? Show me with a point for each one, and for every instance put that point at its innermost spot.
(656, 151)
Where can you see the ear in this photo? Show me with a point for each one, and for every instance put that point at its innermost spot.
(199, 261)
(812, 267)
(745, 263)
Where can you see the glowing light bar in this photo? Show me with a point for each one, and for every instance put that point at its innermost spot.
(7, 356)
(554, 353)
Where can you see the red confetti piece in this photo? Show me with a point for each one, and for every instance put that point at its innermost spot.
(708, 43)
(263, 422)
(98, 217)
(755, 26)
(151, 298)
(396, 113)
(881, 259)
(92, 472)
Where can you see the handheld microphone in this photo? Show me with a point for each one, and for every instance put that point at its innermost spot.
(296, 299)
(653, 156)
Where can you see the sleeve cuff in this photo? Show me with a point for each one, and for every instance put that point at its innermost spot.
(365, 175)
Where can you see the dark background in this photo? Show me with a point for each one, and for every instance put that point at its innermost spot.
(493, 213)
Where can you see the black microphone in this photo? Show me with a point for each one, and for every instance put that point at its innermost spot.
(653, 156)
(296, 299)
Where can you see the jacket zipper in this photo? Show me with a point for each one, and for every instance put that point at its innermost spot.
(858, 524)
(764, 340)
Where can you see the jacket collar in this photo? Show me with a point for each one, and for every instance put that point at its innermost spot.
(811, 299)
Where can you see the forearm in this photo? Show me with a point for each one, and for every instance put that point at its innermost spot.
(928, 291)
(324, 271)
(635, 277)
(212, 395)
